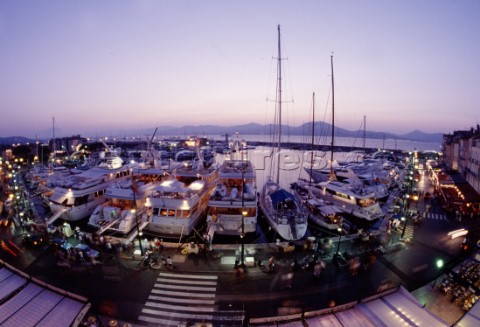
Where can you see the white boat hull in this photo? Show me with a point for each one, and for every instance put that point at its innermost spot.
(77, 212)
(290, 223)
(172, 227)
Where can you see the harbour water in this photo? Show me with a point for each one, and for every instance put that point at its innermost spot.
(292, 164)
(390, 144)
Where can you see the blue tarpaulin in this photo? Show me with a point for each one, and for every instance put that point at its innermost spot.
(280, 196)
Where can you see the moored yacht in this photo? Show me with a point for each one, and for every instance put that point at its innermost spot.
(175, 206)
(233, 202)
(278, 205)
(357, 202)
(319, 212)
(125, 206)
(76, 196)
(283, 212)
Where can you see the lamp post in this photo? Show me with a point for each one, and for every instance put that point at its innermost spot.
(439, 264)
(405, 214)
(139, 232)
(339, 230)
(242, 235)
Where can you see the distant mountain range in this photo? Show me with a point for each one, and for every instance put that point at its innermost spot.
(321, 128)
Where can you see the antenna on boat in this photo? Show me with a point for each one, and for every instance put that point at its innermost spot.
(364, 132)
(54, 141)
(313, 138)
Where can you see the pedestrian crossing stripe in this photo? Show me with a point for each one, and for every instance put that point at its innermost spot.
(185, 287)
(435, 216)
(184, 308)
(180, 300)
(176, 298)
(187, 294)
(188, 276)
(191, 282)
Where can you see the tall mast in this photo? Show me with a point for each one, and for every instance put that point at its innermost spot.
(364, 132)
(333, 120)
(54, 142)
(313, 138)
(279, 102)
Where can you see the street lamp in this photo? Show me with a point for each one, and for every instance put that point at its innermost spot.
(439, 264)
(242, 258)
(339, 230)
(404, 220)
(242, 235)
(405, 212)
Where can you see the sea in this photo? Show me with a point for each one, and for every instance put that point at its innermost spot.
(293, 162)
(388, 144)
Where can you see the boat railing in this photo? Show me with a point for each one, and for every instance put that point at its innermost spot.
(176, 196)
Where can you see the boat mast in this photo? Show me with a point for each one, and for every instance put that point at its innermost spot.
(313, 138)
(54, 142)
(332, 177)
(279, 103)
(364, 132)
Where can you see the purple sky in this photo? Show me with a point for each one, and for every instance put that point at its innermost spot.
(108, 66)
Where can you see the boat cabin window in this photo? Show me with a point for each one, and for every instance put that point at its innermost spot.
(81, 200)
(99, 193)
(185, 213)
(155, 211)
(167, 213)
(365, 203)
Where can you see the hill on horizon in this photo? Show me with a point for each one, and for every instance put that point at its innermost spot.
(321, 128)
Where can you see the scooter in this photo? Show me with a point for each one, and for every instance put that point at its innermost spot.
(295, 266)
(151, 261)
(308, 263)
(270, 268)
(168, 263)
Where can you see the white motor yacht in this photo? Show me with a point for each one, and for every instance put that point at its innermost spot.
(175, 206)
(125, 206)
(232, 207)
(76, 196)
(355, 201)
(319, 212)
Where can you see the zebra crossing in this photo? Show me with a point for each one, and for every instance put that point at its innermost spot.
(435, 216)
(177, 298)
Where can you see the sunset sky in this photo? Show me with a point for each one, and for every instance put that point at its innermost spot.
(104, 67)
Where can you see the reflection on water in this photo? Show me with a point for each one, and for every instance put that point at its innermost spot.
(291, 163)
(291, 169)
(390, 144)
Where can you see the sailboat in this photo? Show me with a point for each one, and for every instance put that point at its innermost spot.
(326, 174)
(278, 205)
(320, 212)
(348, 197)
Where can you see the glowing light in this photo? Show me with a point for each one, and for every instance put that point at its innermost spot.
(458, 234)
